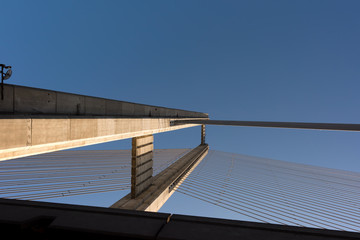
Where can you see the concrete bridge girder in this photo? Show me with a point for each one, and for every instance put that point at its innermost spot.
(34, 121)
(27, 136)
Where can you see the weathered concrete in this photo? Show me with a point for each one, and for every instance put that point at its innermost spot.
(34, 121)
(144, 158)
(144, 149)
(26, 100)
(141, 168)
(29, 135)
(141, 171)
(203, 134)
(163, 184)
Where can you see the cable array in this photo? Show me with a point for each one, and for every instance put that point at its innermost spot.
(279, 192)
(70, 173)
(259, 189)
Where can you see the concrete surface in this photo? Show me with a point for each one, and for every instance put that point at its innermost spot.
(29, 135)
(163, 184)
(27, 100)
(35, 121)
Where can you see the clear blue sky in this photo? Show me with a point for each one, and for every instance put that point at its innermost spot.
(236, 60)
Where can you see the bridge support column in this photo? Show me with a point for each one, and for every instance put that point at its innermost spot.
(203, 134)
(164, 183)
(141, 164)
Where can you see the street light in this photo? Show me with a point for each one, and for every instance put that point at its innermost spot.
(4, 76)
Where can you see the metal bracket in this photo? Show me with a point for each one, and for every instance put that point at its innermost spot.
(4, 76)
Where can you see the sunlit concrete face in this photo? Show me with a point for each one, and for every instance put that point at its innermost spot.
(28, 136)
(34, 121)
(141, 164)
(163, 184)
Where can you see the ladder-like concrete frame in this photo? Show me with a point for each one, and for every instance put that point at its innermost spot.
(164, 184)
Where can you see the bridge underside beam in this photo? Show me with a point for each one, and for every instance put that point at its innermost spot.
(30, 135)
(34, 121)
(163, 184)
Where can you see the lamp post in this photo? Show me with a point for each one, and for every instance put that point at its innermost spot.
(4, 76)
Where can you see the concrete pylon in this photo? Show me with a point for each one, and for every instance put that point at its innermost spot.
(164, 183)
(141, 164)
(203, 134)
(149, 194)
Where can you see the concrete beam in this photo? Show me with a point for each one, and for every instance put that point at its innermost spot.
(141, 171)
(30, 135)
(34, 121)
(164, 183)
(26, 100)
(203, 134)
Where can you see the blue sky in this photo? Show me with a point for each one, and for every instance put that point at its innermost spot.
(236, 60)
